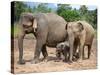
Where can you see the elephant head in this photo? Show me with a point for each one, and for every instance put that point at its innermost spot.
(28, 22)
(74, 30)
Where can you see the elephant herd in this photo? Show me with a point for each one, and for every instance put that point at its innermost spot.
(52, 30)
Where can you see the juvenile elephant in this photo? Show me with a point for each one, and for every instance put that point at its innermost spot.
(63, 49)
(80, 33)
(48, 28)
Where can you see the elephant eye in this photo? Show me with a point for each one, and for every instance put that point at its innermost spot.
(30, 25)
(25, 26)
(69, 26)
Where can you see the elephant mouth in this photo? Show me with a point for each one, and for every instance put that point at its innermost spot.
(28, 31)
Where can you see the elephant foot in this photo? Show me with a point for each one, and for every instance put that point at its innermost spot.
(35, 61)
(88, 57)
(57, 60)
(75, 59)
(80, 60)
(70, 61)
(45, 59)
(22, 62)
(65, 60)
(85, 58)
(77, 55)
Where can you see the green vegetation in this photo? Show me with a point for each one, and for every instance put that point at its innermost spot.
(64, 10)
(67, 13)
(16, 30)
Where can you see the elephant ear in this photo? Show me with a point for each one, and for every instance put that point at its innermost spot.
(66, 26)
(34, 24)
(80, 25)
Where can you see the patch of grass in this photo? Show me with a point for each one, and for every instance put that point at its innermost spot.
(16, 30)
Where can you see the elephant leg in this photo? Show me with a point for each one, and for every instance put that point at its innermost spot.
(81, 46)
(40, 44)
(71, 44)
(89, 51)
(65, 56)
(75, 54)
(71, 55)
(75, 50)
(20, 46)
(58, 55)
(81, 50)
(37, 52)
(44, 52)
(83, 53)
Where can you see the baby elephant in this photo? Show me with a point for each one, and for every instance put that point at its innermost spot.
(63, 48)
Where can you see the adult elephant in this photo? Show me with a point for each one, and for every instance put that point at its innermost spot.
(48, 28)
(80, 33)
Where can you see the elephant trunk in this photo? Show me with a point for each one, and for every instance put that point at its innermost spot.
(71, 42)
(20, 46)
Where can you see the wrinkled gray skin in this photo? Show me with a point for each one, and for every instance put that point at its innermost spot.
(63, 49)
(48, 28)
(80, 34)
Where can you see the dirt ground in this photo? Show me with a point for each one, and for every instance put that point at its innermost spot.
(51, 65)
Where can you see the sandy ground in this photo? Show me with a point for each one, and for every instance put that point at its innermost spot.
(51, 65)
